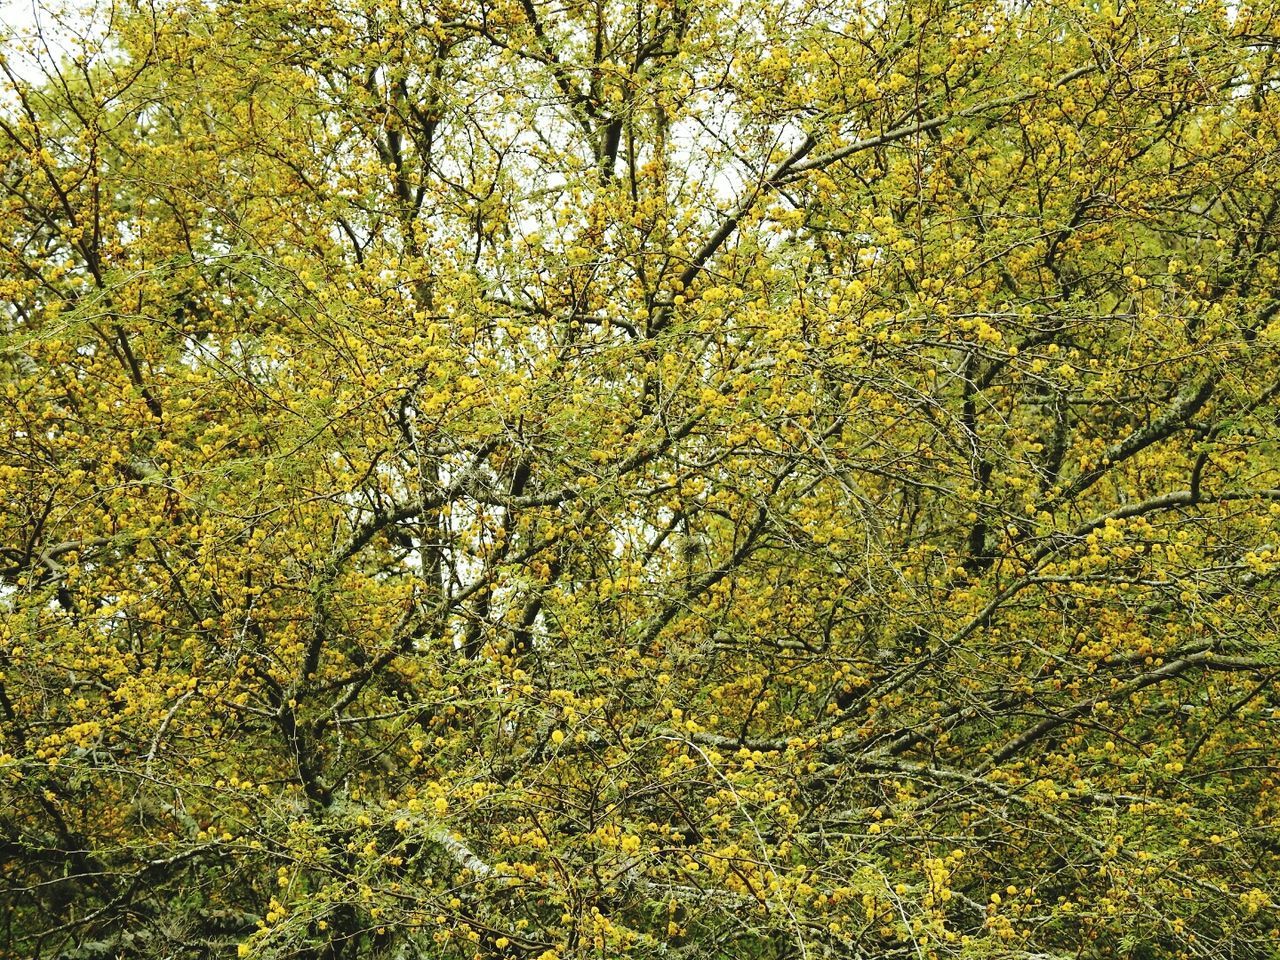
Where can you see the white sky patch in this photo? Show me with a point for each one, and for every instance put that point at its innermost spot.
(41, 41)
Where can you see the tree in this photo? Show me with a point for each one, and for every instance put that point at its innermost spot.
(728, 480)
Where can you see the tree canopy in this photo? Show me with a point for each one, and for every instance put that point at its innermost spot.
(737, 479)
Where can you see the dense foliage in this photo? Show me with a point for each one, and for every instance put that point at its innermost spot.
(588, 479)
